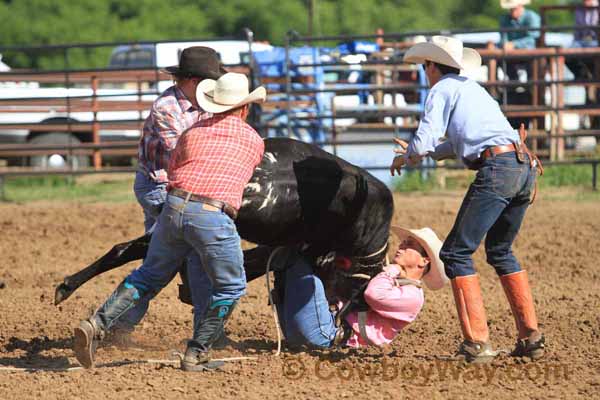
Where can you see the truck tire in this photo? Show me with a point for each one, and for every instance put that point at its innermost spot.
(48, 161)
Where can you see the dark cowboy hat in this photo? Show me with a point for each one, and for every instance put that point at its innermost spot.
(199, 62)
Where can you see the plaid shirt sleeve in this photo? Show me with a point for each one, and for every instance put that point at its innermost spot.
(167, 127)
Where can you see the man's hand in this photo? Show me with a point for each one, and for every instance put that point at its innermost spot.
(397, 165)
(399, 160)
(509, 46)
(395, 271)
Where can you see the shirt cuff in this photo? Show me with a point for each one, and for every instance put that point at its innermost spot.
(443, 151)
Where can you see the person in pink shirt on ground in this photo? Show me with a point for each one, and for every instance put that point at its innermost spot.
(310, 314)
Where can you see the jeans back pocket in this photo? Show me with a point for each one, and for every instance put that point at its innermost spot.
(507, 181)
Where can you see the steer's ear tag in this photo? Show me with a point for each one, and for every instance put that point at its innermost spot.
(343, 263)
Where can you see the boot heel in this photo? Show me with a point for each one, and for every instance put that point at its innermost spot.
(83, 344)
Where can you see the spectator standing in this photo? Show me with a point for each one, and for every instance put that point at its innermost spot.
(585, 16)
(519, 17)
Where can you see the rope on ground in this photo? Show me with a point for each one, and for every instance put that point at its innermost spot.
(273, 306)
(113, 364)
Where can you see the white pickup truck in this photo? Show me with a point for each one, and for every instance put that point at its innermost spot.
(15, 111)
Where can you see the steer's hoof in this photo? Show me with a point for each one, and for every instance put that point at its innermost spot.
(62, 293)
(84, 344)
(199, 367)
(197, 361)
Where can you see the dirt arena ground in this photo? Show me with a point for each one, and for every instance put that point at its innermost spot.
(42, 242)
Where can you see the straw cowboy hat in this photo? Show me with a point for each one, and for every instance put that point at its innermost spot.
(228, 92)
(198, 61)
(444, 50)
(436, 278)
(508, 4)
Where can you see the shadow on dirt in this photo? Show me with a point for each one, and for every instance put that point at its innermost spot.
(33, 348)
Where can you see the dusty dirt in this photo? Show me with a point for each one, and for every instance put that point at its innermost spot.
(41, 243)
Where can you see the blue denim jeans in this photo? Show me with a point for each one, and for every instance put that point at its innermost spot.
(495, 205)
(152, 196)
(584, 43)
(304, 314)
(184, 227)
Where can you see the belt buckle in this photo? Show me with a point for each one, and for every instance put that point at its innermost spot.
(210, 207)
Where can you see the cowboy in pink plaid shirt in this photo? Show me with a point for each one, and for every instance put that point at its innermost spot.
(214, 158)
(208, 161)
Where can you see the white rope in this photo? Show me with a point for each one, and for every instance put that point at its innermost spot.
(114, 364)
(361, 276)
(377, 252)
(273, 306)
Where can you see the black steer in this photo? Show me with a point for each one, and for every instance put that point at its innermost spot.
(299, 194)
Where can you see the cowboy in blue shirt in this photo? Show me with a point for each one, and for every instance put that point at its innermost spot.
(476, 132)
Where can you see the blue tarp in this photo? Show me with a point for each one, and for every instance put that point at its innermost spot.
(358, 47)
(272, 62)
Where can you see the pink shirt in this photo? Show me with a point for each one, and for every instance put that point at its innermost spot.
(391, 308)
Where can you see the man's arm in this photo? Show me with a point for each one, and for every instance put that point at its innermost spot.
(532, 20)
(432, 126)
(503, 35)
(443, 151)
(579, 21)
(168, 127)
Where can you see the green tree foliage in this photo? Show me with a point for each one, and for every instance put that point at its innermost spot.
(51, 22)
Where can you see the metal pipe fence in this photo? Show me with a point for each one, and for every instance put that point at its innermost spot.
(286, 111)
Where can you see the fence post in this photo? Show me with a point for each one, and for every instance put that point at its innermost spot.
(560, 151)
(288, 84)
(2, 198)
(97, 157)
(595, 175)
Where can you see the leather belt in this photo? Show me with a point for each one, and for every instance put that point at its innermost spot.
(218, 204)
(495, 150)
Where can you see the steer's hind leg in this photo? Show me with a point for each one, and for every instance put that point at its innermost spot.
(255, 261)
(119, 255)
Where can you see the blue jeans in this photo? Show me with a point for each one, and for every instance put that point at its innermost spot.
(495, 205)
(152, 196)
(304, 314)
(184, 227)
(584, 43)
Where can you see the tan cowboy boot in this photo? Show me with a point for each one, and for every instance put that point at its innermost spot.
(530, 342)
(476, 347)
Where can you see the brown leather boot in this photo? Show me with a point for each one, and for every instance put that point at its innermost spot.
(530, 341)
(473, 321)
(85, 341)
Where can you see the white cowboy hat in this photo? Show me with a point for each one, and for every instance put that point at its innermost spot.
(436, 278)
(446, 51)
(226, 93)
(508, 4)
